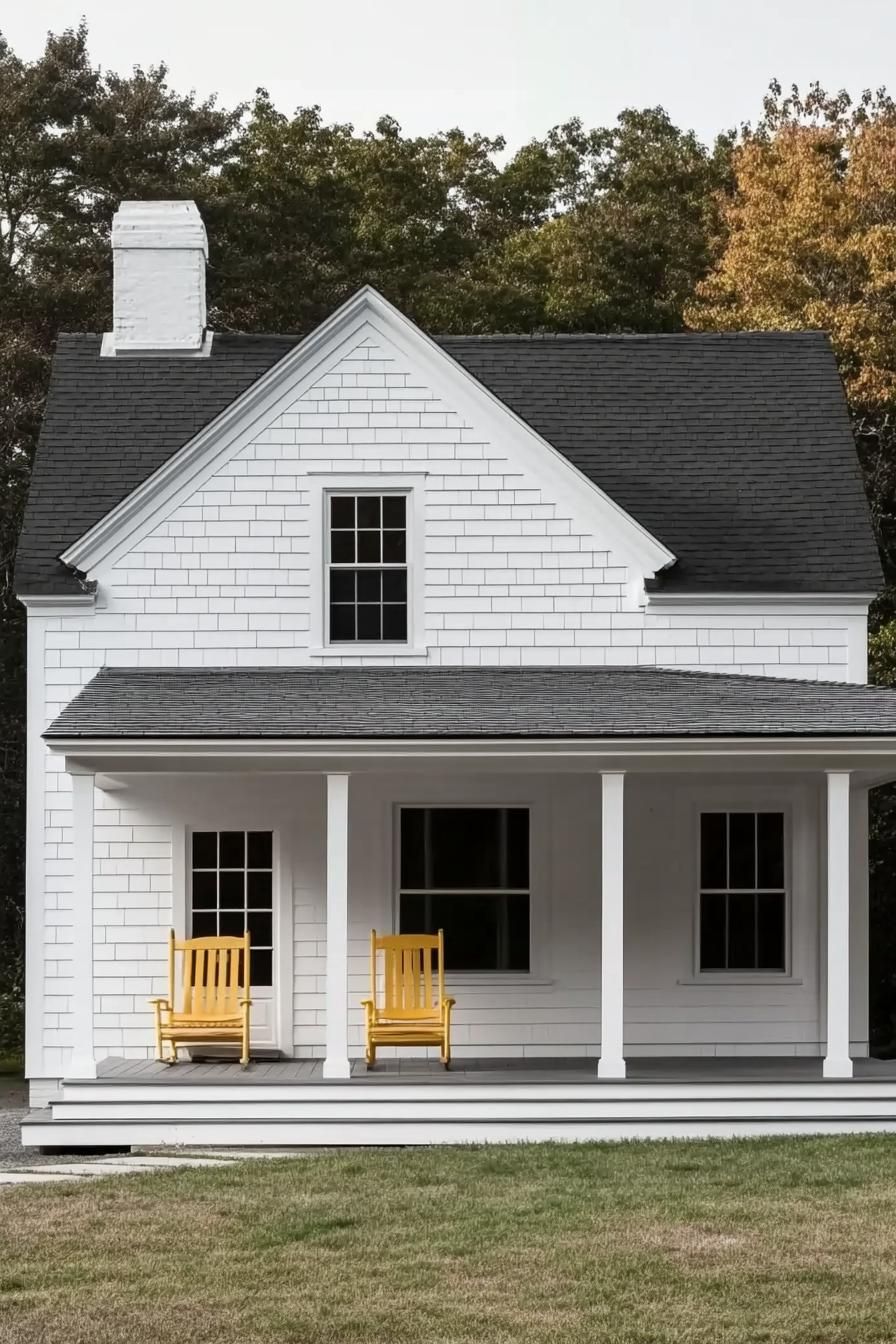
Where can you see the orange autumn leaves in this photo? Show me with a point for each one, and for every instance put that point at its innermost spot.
(810, 241)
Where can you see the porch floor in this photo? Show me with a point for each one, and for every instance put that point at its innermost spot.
(703, 1069)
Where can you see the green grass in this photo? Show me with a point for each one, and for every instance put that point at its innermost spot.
(782, 1241)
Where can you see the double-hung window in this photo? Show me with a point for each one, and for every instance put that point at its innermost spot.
(466, 870)
(743, 894)
(367, 568)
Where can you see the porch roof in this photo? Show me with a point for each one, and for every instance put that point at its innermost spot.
(125, 703)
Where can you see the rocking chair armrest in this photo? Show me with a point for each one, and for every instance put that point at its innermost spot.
(448, 1003)
(163, 1002)
(245, 1003)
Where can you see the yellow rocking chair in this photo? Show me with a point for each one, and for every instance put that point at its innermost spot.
(414, 1008)
(214, 996)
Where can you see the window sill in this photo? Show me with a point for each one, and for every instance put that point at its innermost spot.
(369, 651)
(741, 978)
(467, 979)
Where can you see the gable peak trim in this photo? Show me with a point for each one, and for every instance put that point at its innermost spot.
(365, 314)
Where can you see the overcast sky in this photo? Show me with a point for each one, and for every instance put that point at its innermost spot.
(514, 67)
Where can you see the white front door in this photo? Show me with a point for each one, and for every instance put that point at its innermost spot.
(231, 889)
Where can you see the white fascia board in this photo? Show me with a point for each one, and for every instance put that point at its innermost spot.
(839, 604)
(381, 749)
(367, 313)
(58, 604)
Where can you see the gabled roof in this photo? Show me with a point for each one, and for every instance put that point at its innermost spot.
(733, 450)
(436, 702)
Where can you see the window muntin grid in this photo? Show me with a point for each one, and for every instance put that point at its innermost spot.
(743, 892)
(367, 568)
(232, 890)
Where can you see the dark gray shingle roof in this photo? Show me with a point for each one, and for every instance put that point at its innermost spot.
(735, 450)
(428, 702)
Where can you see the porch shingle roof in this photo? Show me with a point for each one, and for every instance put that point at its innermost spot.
(433, 702)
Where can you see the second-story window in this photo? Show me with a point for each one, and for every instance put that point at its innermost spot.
(367, 568)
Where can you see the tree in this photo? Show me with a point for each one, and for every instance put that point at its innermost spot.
(635, 240)
(809, 240)
(73, 142)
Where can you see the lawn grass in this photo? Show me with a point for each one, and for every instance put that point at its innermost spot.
(664, 1243)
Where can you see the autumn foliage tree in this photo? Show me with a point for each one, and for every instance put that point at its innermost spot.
(808, 240)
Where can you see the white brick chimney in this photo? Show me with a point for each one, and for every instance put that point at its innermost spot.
(159, 251)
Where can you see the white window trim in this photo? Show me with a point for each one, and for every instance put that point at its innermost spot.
(321, 487)
(754, 804)
(539, 944)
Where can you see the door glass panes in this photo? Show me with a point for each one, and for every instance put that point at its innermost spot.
(231, 890)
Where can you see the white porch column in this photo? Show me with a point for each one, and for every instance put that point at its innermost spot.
(611, 1063)
(837, 1062)
(336, 1063)
(83, 1060)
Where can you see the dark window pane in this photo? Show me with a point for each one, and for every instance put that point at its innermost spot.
(518, 847)
(260, 927)
(395, 585)
(412, 914)
(205, 891)
(471, 926)
(233, 849)
(742, 849)
(394, 510)
(342, 622)
(369, 626)
(741, 932)
(464, 848)
(369, 548)
(713, 865)
(205, 849)
(411, 845)
(771, 951)
(233, 923)
(369, 511)
(342, 548)
(342, 511)
(204, 924)
(712, 932)
(342, 585)
(258, 891)
(261, 846)
(770, 842)
(482, 933)
(517, 933)
(233, 890)
(261, 967)
(394, 548)
(370, 585)
(395, 621)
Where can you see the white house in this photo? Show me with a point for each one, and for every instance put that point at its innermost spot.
(557, 643)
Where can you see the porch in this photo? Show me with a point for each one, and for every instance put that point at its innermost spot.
(606, 1008)
(412, 1101)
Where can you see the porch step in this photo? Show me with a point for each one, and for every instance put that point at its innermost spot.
(374, 1114)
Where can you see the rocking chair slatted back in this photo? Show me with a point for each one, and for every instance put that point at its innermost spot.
(411, 991)
(214, 976)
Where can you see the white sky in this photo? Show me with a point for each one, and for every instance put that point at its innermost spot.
(514, 67)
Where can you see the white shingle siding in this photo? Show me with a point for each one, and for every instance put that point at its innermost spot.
(510, 577)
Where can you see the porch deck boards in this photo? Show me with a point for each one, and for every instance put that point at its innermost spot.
(728, 1069)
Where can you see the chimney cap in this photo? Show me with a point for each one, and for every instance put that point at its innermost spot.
(159, 224)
